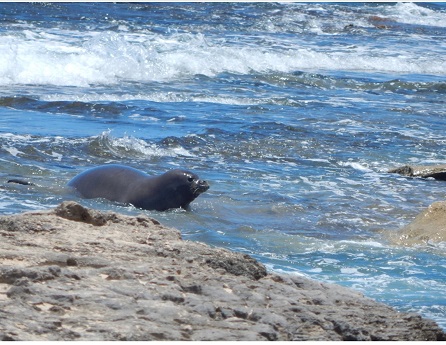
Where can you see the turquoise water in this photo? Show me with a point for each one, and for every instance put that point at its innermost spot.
(292, 112)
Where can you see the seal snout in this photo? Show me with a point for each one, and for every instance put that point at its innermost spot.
(200, 186)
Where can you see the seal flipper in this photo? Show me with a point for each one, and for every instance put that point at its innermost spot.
(26, 183)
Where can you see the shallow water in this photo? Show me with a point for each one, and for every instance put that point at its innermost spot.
(292, 112)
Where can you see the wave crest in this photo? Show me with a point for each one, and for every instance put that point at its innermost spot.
(128, 147)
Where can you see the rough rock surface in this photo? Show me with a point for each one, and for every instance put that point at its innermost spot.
(79, 274)
(437, 172)
(428, 226)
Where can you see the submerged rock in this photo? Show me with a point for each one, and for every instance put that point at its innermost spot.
(77, 274)
(437, 172)
(428, 226)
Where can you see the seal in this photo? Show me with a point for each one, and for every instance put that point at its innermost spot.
(173, 189)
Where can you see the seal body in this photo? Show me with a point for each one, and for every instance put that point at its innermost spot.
(114, 182)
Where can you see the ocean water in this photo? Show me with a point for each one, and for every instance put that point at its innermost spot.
(293, 112)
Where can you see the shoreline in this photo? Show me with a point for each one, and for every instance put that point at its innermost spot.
(73, 273)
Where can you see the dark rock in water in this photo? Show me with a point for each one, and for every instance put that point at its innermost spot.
(77, 274)
(18, 181)
(437, 172)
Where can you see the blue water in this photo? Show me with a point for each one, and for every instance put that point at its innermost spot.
(293, 113)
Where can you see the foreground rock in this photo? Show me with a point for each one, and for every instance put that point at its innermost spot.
(428, 227)
(78, 274)
(437, 172)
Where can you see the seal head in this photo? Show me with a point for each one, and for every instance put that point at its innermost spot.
(178, 189)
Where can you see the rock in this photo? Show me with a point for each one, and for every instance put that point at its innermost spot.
(437, 172)
(79, 274)
(428, 226)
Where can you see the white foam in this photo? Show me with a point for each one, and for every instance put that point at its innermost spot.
(163, 97)
(83, 59)
(324, 185)
(366, 244)
(135, 146)
(16, 137)
(319, 160)
(288, 270)
(356, 166)
(13, 151)
(351, 271)
(411, 13)
(139, 117)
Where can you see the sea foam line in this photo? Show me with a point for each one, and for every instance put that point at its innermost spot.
(111, 57)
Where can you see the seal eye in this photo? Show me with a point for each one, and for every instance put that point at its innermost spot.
(190, 179)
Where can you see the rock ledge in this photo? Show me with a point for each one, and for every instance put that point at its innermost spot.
(428, 227)
(78, 274)
(437, 172)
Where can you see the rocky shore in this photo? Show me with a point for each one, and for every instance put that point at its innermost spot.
(437, 172)
(430, 225)
(78, 274)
